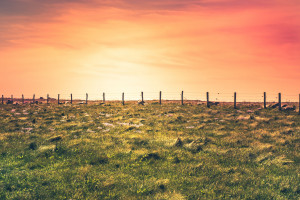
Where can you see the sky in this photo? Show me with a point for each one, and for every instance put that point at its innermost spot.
(114, 46)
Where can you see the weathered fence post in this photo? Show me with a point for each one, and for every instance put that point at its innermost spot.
(71, 98)
(58, 99)
(22, 98)
(181, 97)
(12, 99)
(160, 97)
(265, 100)
(142, 93)
(207, 99)
(86, 98)
(235, 100)
(123, 102)
(279, 101)
(299, 104)
(2, 99)
(33, 98)
(103, 97)
(47, 98)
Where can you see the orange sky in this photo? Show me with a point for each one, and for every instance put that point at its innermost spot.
(63, 46)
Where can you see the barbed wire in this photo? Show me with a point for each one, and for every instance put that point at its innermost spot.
(196, 96)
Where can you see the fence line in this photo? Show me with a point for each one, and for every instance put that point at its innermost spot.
(174, 96)
(250, 98)
(213, 96)
(168, 96)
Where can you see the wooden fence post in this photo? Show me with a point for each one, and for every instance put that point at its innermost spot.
(2, 99)
(47, 98)
(12, 99)
(123, 102)
(160, 97)
(207, 99)
(265, 100)
(279, 101)
(142, 93)
(86, 98)
(22, 98)
(181, 97)
(103, 97)
(234, 100)
(71, 98)
(33, 98)
(58, 99)
(299, 104)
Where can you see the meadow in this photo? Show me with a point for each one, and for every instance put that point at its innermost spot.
(151, 151)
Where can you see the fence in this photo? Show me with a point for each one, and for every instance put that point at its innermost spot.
(209, 98)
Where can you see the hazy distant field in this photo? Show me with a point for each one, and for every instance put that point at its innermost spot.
(153, 151)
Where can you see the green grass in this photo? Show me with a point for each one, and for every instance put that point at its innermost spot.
(128, 152)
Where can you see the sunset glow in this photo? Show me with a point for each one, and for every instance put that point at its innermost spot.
(62, 46)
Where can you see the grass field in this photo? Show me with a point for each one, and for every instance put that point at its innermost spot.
(153, 151)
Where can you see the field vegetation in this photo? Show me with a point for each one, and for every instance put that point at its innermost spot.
(150, 151)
